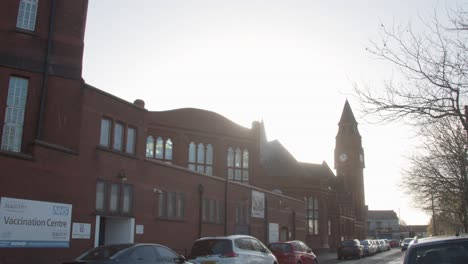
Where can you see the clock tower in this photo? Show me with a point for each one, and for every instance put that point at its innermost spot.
(349, 161)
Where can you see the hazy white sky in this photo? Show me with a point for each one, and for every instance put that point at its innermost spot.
(289, 62)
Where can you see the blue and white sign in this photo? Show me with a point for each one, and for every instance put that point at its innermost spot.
(27, 223)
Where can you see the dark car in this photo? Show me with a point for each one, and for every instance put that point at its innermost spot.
(350, 248)
(405, 242)
(438, 250)
(293, 252)
(129, 254)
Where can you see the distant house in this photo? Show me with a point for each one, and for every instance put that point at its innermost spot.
(383, 224)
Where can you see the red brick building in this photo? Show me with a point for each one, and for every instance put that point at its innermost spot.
(129, 174)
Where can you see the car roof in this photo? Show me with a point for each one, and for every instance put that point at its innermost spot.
(438, 239)
(232, 237)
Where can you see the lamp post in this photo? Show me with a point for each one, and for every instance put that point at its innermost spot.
(433, 215)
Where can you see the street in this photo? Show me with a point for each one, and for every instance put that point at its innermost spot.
(394, 256)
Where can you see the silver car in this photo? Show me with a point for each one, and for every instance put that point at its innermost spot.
(235, 249)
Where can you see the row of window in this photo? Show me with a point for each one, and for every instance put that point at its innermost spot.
(171, 205)
(118, 135)
(212, 211)
(200, 156)
(114, 198)
(161, 149)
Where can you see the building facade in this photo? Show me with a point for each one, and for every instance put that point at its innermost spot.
(383, 224)
(112, 171)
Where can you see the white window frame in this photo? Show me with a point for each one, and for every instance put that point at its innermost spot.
(238, 165)
(14, 115)
(27, 14)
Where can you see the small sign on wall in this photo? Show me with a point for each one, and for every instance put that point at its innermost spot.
(139, 229)
(273, 232)
(81, 231)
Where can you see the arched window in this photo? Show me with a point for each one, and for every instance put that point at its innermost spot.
(201, 158)
(209, 160)
(168, 150)
(245, 166)
(159, 148)
(191, 156)
(238, 165)
(150, 147)
(230, 163)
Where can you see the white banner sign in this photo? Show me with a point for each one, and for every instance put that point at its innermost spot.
(27, 223)
(81, 231)
(258, 204)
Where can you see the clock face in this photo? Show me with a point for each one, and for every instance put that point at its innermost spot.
(343, 157)
(361, 157)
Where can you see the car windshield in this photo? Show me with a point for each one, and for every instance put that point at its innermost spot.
(449, 252)
(407, 240)
(280, 248)
(103, 252)
(348, 243)
(365, 242)
(211, 247)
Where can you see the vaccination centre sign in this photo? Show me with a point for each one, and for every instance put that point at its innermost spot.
(27, 223)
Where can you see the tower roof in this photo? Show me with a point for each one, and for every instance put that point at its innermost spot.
(347, 117)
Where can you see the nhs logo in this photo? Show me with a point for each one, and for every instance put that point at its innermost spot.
(60, 210)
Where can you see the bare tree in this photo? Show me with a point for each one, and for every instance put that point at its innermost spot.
(437, 173)
(434, 68)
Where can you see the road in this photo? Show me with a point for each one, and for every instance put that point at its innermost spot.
(394, 256)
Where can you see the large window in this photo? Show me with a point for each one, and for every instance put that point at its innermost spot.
(27, 13)
(238, 165)
(242, 214)
(213, 211)
(200, 158)
(159, 148)
(312, 215)
(122, 135)
(171, 205)
(114, 198)
(14, 114)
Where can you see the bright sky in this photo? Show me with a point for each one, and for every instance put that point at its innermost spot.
(289, 62)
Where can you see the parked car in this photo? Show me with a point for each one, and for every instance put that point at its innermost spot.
(375, 246)
(230, 249)
(369, 249)
(404, 243)
(129, 254)
(293, 252)
(383, 246)
(394, 243)
(350, 248)
(437, 250)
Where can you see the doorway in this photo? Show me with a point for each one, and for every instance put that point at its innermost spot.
(113, 230)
